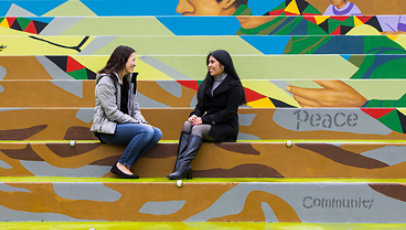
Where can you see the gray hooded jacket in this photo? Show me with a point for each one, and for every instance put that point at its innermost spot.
(108, 100)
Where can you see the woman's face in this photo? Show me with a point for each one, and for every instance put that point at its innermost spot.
(130, 65)
(214, 66)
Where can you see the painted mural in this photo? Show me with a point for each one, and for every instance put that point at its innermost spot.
(224, 202)
(63, 49)
(382, 160)
(329, 78)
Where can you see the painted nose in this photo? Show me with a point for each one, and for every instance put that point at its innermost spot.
(184, 6)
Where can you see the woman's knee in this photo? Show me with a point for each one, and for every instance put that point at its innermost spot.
(187, 126)
(157, 133)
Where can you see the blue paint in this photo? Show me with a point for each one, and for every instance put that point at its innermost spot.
(346, 56)
(38, 7)
(132, 7)
(342, 45)
(260, 7)
(268, 44)
(200, 25)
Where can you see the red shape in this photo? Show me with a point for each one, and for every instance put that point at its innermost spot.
(377, 112)
(11, 21)
(290, 14)
(340, 18)
(364, 19)
(310, 18)
(192, 84)
(31, 28)
(73, 65)
(337, 31)
(251, 95)
(276, 12)
(310, 14)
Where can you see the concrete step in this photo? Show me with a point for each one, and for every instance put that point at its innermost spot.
(255, 123)
(168, 7)
(111, 225)
(178, 93)
(294, 201)
(180, 25)
(253, 66)
(275, 159)
(186, 45)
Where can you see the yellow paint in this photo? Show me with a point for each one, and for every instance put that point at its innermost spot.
(292, 8)
(363, 29)
(321, 19)
(401, 40)
(24, 45)
(261, 103)
(357, 22)
(402, 110)
(94, 63)
(393, 37)
(148, 72)
(70, 8)
(7, 31)
(4, 23)
(269, 89)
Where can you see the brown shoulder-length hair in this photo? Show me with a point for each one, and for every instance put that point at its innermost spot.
(118, 59)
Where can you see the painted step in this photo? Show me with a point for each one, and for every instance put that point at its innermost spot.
(191, 67)
(49, 8)
(186, 45)
(298, 202)
(111, 225)
(271, 159)
(198, 25)
(182, 93)
(255, 124)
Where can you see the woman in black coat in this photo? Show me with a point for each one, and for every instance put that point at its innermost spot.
(215, 116)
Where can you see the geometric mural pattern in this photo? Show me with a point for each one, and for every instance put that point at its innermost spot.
(52, 50)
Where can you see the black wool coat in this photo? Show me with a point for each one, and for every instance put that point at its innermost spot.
(221, 109)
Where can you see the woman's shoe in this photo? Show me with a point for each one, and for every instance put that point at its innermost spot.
(184, 171)
(115, 170)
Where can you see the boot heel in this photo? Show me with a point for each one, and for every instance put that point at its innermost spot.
(189, 175)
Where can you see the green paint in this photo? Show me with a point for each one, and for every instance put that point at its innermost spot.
(23, 22)
(79, 74)
(391, 120)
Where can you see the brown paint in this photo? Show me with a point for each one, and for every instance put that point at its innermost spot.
(343, 156)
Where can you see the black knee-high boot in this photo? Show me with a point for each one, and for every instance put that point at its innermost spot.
(184, 168)
(183, 140)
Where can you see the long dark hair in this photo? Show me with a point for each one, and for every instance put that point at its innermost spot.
(118, 59)
(224, 58)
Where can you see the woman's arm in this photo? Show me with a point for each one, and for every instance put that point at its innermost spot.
(231, 108)
(107, 98)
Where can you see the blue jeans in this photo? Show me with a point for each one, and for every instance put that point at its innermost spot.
(139, 139)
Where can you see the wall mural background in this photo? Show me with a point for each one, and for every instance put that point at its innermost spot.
(334, 77)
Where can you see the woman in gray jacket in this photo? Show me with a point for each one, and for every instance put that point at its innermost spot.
(117, 119)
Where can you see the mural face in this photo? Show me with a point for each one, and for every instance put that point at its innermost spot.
(205, 7)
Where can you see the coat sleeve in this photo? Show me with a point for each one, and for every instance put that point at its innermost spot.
(137, 113)
(107, 98)
(198, 111)
(224, 115)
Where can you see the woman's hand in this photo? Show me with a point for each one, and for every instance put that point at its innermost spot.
(335, 93)
(192, 118)
(197, 121)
